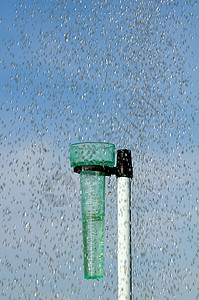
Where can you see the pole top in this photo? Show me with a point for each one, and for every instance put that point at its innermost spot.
(124, 163)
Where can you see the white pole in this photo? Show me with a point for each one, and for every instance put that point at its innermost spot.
(124, 238)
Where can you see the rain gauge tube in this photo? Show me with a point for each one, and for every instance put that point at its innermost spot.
(90, 160)
(94, 161)
(93, 212)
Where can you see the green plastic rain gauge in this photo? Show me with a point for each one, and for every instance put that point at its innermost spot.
(93, 161)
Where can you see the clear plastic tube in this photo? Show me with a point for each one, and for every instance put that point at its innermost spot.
(92, 201)
(93, 212)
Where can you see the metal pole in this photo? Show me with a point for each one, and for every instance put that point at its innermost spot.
(124, 238)
(124, 173)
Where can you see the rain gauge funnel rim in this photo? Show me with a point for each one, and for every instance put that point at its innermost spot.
(99, 143)
(92, 153)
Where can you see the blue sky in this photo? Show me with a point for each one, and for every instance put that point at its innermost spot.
(122, 72)
(53, 69)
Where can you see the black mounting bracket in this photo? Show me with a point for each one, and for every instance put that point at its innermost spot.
(123, 168)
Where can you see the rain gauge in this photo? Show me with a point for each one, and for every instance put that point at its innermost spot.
(93, 161)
